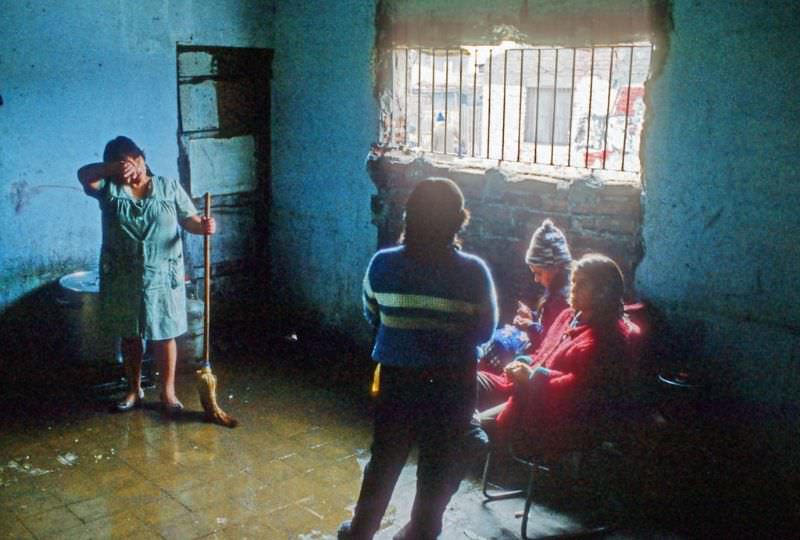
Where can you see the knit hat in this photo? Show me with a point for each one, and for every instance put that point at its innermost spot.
(548, 246)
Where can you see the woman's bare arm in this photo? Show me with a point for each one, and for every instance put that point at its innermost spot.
(92, 174)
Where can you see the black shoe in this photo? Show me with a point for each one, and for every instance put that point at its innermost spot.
(125, 405)
(344, 532)
(172, 409)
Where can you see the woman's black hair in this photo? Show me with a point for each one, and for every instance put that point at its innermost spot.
(608, 287)
(434, 216)
(561, 277)
(121, 147)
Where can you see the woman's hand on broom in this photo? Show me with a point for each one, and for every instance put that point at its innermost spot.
(202, 225)
(209, 225)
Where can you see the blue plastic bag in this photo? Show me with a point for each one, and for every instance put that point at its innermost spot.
(507, 342)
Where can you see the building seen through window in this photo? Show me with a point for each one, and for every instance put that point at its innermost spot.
(576, 107)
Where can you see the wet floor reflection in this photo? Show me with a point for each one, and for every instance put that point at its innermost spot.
(291, 470)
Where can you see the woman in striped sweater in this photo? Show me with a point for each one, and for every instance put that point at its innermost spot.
(432, 305)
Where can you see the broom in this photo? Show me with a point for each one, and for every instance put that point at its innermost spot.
(206, 381)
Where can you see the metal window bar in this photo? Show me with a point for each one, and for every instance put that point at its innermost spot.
(419, 98)
(433, 93)
(553, 120)
(474, 100)
(536, 115)
(589, 116)
(461, 95)
(623, 91)
(627, 108)
(503, 127)
(519, 113)
(571, 107)
(608, 105)
(489, 110)
(405, 101)
(446, 93)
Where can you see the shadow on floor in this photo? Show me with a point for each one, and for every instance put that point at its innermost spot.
(293, 468)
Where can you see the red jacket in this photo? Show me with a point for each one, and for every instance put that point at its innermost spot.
(585, 363)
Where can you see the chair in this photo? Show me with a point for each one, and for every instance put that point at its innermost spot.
(538, 461)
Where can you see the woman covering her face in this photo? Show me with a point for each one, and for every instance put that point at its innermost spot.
(141, 261)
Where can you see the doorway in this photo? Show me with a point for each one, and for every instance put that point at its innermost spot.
(224, 149)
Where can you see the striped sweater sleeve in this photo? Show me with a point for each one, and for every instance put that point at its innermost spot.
(369, 301)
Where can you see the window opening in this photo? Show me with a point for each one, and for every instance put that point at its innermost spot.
(560, 106)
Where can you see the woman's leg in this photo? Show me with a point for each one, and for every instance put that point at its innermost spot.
(488, 421)
(166, 353)
(132, 354)
(443, 420)
(492, 390)
(391, 444)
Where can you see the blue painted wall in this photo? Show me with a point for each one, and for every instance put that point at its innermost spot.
(72, 76)
(721, 154)
(324, 119)
(721, 221)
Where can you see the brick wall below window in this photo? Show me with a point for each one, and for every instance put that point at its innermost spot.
(507, 206)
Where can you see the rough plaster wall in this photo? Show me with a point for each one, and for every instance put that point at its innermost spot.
(721, 163)
(443, 23)
(72, 76)
(323, 122)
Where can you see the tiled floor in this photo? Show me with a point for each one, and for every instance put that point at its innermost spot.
(292, 469)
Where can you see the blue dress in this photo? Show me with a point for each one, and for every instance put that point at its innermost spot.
(142, 291)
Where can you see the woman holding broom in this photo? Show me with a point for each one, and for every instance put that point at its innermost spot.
(432, 305)
(142, 292)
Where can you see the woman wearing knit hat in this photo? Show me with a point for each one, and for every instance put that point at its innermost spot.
(548, 258)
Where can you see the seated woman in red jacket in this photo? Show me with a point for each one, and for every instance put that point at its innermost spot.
(582, 360)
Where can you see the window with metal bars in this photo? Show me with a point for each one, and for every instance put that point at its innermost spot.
(575, 107)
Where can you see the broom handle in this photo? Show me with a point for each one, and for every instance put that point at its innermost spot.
(207, 288)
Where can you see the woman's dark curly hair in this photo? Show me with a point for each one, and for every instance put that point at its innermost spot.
(434, 216)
